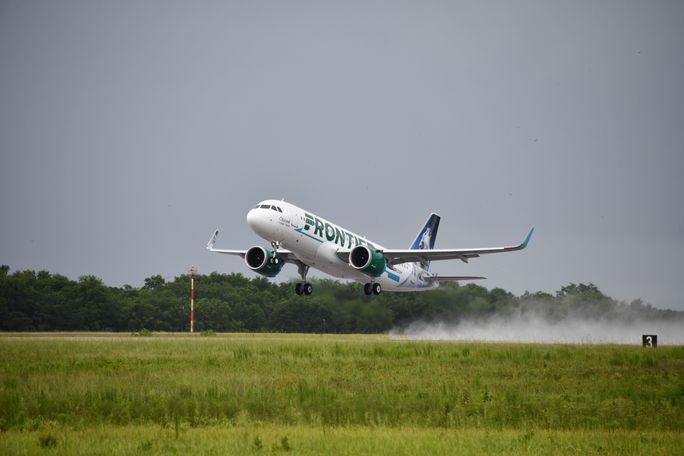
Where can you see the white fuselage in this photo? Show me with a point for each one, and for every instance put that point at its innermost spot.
(315, 241)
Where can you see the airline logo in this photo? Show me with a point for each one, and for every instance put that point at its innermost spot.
(320, 230)
(425, 240)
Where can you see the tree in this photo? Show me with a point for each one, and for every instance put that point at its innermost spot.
(156, 282)
(32, 301)
(297, 315)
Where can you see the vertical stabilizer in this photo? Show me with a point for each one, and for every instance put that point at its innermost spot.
(426, 237)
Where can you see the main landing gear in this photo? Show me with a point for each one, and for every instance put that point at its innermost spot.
(303, 287)
(372, 288)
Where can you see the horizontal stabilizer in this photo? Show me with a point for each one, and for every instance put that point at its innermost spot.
(452, 278)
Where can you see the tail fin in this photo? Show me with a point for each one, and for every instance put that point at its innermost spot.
(426, 237)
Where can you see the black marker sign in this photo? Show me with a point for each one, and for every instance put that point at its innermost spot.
(649, 340)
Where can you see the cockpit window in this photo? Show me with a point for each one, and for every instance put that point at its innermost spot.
(268, 206)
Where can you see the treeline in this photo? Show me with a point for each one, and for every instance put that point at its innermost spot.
(41, 301)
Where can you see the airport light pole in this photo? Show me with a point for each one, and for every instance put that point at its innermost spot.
(192, 298)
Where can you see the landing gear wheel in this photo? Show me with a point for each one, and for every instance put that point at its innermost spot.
(274, 259)
(377, 289)
(367, 289)
(303, 287)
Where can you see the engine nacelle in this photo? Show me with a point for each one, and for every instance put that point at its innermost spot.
(263, 261)
(367, 260)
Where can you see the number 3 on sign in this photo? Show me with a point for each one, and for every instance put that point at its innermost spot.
(649, 340)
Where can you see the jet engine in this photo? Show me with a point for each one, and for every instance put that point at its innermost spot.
(367, 260)
(264, 261)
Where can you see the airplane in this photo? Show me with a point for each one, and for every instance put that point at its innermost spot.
(302, 238)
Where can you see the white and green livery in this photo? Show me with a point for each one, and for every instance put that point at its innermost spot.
(307, 240)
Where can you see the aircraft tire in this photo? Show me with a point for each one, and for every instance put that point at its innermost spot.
(367, 289)
(308, 288)
(377, 289)
(299, 288)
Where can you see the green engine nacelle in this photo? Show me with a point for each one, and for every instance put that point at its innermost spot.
(264, 261)
(367, 260)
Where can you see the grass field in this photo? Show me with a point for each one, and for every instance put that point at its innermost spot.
(311, 394)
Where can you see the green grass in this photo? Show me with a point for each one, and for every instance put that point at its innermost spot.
(368, 393)
(308, 440)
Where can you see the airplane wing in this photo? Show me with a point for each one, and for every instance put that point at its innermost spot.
(286, 255)
(398, 256)
(410, 255)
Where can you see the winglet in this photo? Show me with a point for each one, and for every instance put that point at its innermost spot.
(525, 242)
(212, 240)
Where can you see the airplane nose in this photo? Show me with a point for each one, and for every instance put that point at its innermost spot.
(253, 219)
(264, 223)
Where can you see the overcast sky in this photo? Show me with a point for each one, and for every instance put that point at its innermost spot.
(129, 130)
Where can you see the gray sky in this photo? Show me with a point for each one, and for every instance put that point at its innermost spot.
(129, 130)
